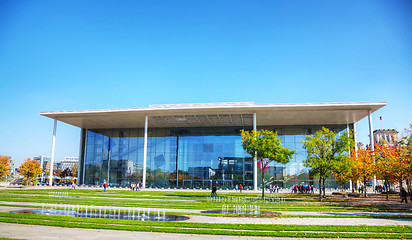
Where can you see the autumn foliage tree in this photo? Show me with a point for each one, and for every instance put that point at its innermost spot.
(5, 166)
(407, 141)
(30, 169)
(75, 170)
(363, 166)
(386, 165)
(266, 146)
(403, 150)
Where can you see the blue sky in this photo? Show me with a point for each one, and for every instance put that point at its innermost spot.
(77, 55)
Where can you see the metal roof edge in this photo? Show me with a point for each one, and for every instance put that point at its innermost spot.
(216, 106)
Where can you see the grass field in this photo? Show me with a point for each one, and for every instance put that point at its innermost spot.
(199, 201)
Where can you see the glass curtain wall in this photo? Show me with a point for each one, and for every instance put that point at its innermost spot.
(189, 157)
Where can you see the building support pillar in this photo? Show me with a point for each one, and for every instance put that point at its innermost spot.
(84, 154)
(255, 187)
(52, 153)
(42, 170)
(347, 131)
(371, 144)
(146, 122)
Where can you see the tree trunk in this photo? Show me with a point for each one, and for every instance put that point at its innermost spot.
(353, 184)
(320, 189)
(387, 191)
(364, 188)
(263, 184)
(324, 187)
(400, 183)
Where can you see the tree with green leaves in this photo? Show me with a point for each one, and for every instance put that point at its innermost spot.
(326, 151)
(267, 147)
(343, 172)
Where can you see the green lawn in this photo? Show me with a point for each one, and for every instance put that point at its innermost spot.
(390, 232)
(181, 200)
(199, 201)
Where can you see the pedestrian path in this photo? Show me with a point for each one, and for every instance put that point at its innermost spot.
(32, 232)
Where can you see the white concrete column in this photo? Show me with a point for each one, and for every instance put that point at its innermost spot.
(347, 132)
(41, 168)
(254, 159)
(371, 142)
(146, 122)
(52, 153)
(355, 139)
(84, 154)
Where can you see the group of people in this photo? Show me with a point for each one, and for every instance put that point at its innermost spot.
(380, 188)
(361, 188)
(135, 186)
(239, 187)
(303, 188)
(273, 188)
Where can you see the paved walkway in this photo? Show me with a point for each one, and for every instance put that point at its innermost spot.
(32, 232)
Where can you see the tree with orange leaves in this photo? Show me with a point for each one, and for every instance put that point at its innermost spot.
(403, 150)
(386, 165)
(4, 166)
(30, 169)
(363, 166)
(408, 142)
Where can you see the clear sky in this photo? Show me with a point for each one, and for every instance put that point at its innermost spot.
(78, 55)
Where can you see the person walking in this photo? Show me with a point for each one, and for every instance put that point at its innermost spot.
(240, 187)
(236, 187)
(404, 195)
(214, 189)
(105, 186)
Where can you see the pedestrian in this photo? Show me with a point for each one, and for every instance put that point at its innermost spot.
(236, 187)
(73, 186)
(404, 195)
(214, 189)
(240, 187)
(138, 186)
(105, 186)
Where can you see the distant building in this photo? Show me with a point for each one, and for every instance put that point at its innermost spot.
(360, 145)
(42, 160)
(68, 162)
(386, 137)
(56, 167)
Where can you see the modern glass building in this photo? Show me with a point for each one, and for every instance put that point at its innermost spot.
(195, 145)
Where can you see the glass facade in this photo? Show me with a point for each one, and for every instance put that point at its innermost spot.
(188, 157)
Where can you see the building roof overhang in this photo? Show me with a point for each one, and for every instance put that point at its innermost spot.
(219, 115)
